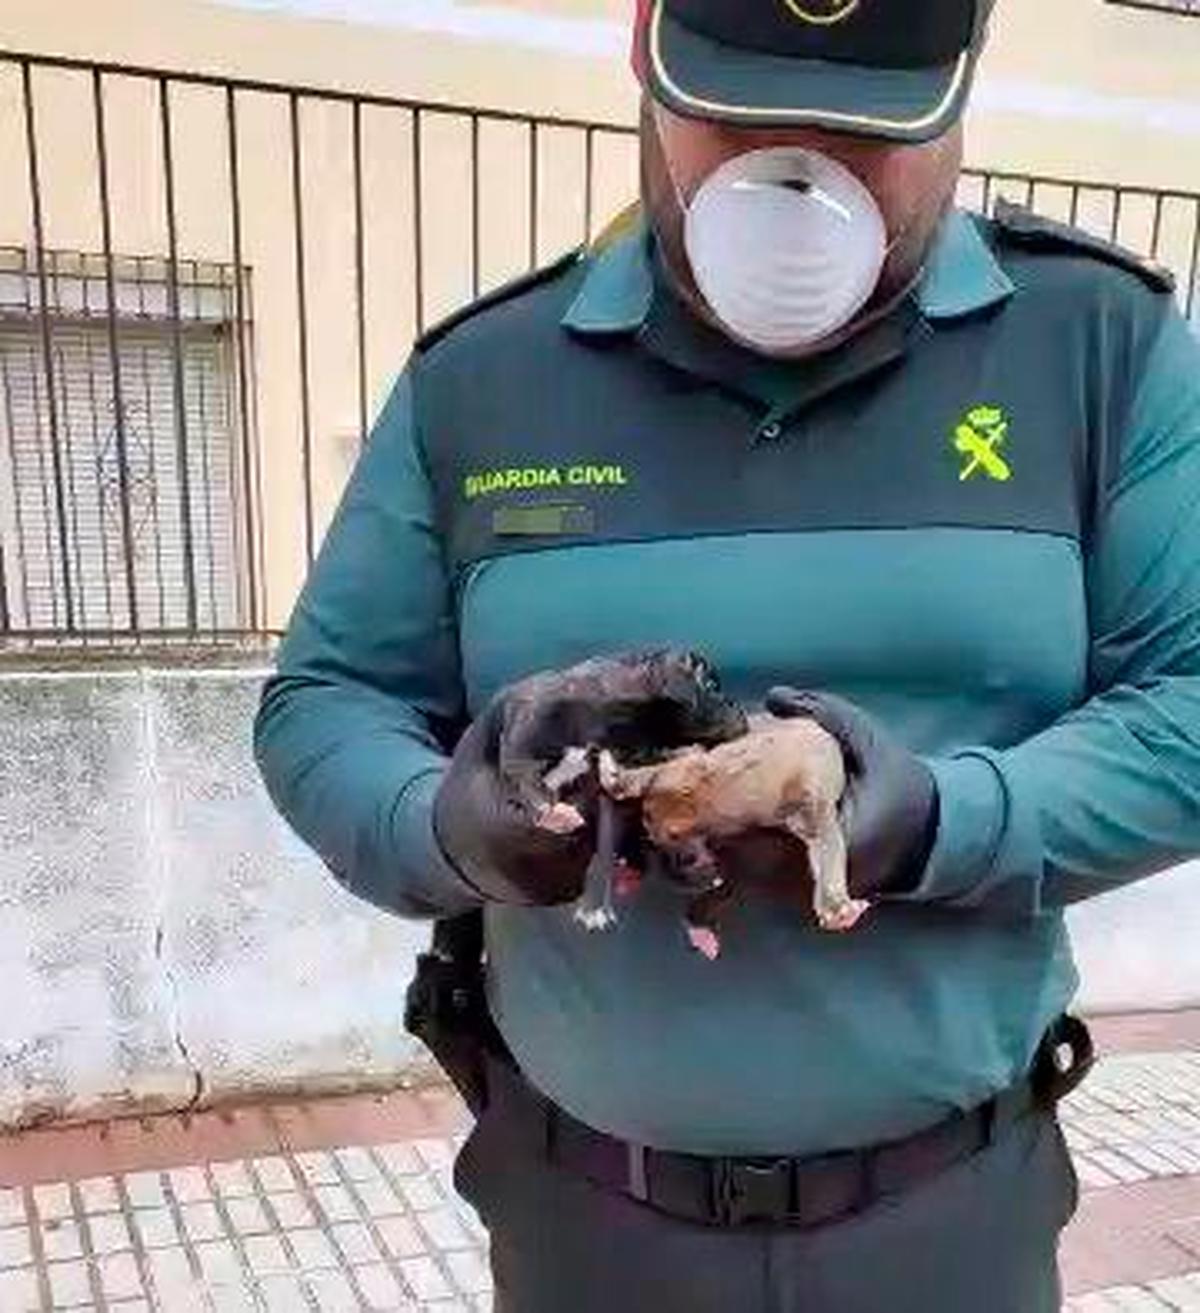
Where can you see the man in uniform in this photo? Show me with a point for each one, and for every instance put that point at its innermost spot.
(938, 474)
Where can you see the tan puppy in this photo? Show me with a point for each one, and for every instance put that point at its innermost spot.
(783, 775)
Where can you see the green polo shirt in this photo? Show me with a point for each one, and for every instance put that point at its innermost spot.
(978, 521)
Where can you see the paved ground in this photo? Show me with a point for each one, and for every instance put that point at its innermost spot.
(1135, 1132)
(346, 1204)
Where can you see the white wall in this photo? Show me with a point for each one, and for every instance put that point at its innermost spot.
(1139, 948)
(164, 936)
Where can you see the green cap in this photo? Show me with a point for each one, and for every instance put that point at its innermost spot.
(899, 69)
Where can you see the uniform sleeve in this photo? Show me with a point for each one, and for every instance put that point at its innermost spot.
(350, 730)
(1111, 792)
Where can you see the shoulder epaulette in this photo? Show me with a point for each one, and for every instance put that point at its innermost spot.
(1019, 226)
(505, 292)
(623, 225)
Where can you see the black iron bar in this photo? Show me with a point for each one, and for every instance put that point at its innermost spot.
(39, 244)
(72, 490)
(17, 500)
(476, 272)
(201, 370)
(243, 373)
(1156, 232)
(5, 618)
(101, 522)
(589, 179)
(418, 226)
(182, 469)
(110, 284)
(302, 318)
(533, 194)
(360, 271)
(68, 430)
(148, 402)
(1193, 265)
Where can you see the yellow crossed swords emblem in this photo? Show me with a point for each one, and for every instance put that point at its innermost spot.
(978, 438)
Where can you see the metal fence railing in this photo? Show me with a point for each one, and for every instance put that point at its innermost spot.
(206, 285)
(1158, 223)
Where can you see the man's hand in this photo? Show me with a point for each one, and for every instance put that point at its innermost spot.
(890, 808)
(489, 831)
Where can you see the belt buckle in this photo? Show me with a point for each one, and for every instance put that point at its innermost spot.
(752, 1190)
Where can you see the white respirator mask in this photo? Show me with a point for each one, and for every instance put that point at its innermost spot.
(786, 246)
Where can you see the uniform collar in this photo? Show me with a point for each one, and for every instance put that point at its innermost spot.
(962, 277)
(782, 388)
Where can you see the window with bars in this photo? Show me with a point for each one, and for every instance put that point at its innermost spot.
(115, 516)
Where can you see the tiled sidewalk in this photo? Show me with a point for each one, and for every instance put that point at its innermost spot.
(1135, 1132)
(338, 1204)
(1137, 1119)
(363, 1227)
(347, 1204)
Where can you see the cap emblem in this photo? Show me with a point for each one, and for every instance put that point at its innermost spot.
(822, 13)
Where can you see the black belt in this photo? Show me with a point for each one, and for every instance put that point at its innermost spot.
(793, 1192)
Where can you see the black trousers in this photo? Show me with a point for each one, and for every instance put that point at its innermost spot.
(981, 1238)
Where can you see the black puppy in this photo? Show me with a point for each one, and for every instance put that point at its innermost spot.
(639, 706)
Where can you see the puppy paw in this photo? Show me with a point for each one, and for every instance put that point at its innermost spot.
(843, 917)
(704, 939)
(560, 818)
(596, 920)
